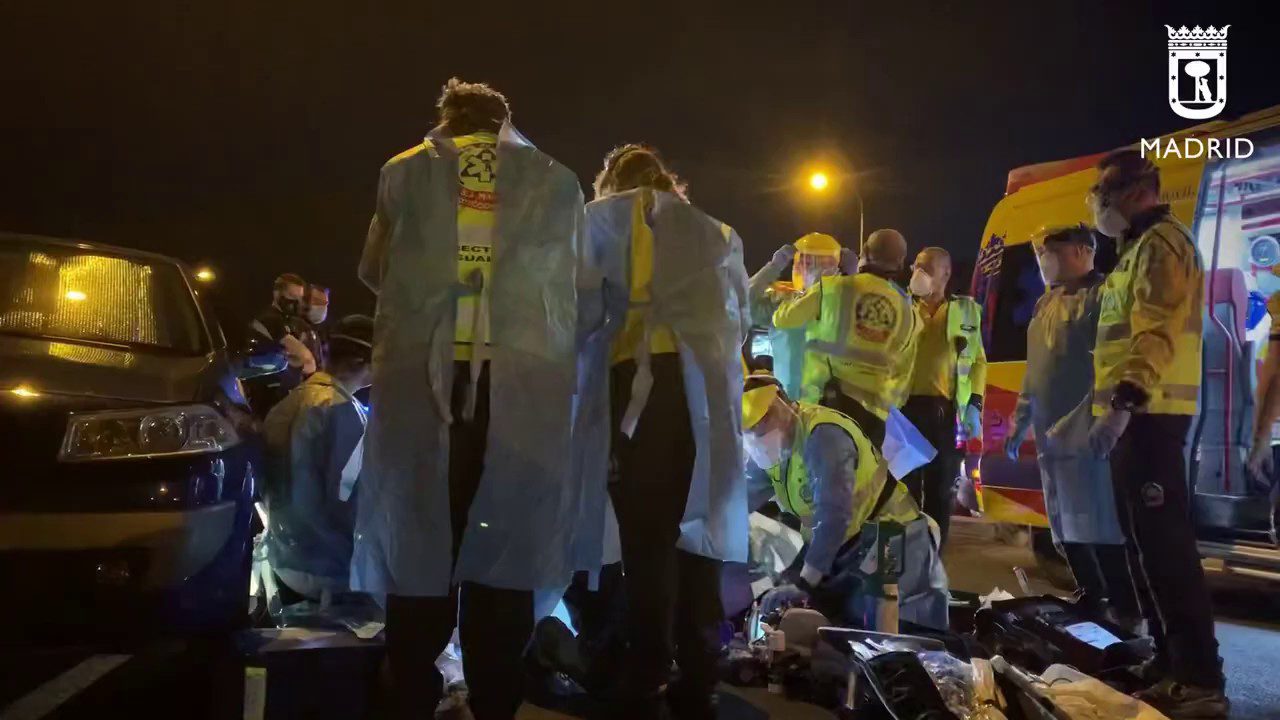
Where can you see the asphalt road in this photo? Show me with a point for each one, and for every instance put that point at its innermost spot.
(203, 680)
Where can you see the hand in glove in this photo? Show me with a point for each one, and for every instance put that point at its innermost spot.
(848, 261)
(783, 596)
(972, 423)
(1261, 461)
(1013, 441)
(783, 255)
(1106, 431)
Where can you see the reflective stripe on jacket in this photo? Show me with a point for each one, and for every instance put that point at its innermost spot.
(1150, 326)
(864, 337)
(964, 335)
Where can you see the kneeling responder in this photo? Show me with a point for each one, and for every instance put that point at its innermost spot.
(821, 467)
(860, 336)
(812, 258)
(314, 440)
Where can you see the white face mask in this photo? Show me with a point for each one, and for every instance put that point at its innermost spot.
(921, 284)
(768, 450)
(1108, 219)
(317, 313)
(1049, 268)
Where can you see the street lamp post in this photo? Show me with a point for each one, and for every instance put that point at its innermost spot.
(819, 182)
(862, 234)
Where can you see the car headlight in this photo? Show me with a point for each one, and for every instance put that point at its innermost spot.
(152, 432)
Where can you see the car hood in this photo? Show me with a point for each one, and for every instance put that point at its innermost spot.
(92, 371)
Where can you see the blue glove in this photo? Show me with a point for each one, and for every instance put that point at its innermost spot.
(783, 255)
(783, 596)
(972, 423)
(1106, 432)
(1013, 441)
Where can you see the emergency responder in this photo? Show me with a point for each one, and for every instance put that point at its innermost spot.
(1056, 393)
(467, 496)
(1146, 391)
(859, 336)
(821, 467)
(314, 440)
(947, 383)
(1261, 455)
(674, 280)
(275, 347)
(812, 258)
(315, 310)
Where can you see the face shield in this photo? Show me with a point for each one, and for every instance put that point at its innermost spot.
(1050, 266)
(817, 256)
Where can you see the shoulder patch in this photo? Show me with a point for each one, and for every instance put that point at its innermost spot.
(874, 317)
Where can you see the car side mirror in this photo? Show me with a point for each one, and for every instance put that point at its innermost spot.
(248, 366)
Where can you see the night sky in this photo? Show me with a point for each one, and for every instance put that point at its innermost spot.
(249, 134)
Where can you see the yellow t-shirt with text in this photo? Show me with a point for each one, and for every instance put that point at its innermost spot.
(477, 200)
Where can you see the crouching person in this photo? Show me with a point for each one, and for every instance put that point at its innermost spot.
(314, 448)
(820, 466)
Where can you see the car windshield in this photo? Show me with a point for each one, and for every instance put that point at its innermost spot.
(88, 296)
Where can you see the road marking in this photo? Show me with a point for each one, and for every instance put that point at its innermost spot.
(255, 693)
(48, 697)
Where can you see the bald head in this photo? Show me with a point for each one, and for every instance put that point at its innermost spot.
(933, 259)
(886, 249)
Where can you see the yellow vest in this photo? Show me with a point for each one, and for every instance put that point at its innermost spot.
(1178, 391)
(964, 334)
(640, 269)
(793, 485)
(477, 185)
(864, 338)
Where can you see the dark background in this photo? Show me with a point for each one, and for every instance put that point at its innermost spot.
(249, 134)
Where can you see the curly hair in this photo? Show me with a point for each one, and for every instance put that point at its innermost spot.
(467, 108)
(635, 165)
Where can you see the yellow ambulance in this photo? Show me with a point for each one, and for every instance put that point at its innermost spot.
(1232, 205)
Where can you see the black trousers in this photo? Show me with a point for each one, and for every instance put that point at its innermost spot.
(870, 424)
(1102, 575)
(934, 485)
(1150, 477)
(673, 607)
(494, 624)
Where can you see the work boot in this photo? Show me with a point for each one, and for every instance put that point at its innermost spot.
(1186, 702)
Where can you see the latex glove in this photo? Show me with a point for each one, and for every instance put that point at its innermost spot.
(783, 596)
(1013, 441)
(783, 255)
(1261, 461)
(848, 261)
(972, 423)
(1106, 431)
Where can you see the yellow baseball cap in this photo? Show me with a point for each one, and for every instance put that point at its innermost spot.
(762, 390)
